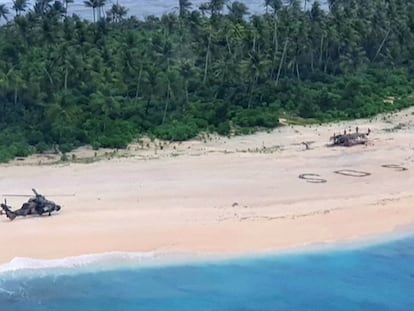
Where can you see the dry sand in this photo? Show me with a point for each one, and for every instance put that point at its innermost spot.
(217, 195)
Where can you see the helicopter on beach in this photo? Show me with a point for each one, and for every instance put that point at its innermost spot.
(348, 139)
(35, 205)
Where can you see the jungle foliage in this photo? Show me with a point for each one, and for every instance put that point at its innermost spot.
(70, 82)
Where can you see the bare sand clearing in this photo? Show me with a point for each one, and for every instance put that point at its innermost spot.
(218, 195)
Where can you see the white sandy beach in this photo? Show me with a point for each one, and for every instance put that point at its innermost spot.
(218, 195)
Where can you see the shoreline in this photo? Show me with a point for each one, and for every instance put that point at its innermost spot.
(338, 240)
(114, 260)
(224, 196)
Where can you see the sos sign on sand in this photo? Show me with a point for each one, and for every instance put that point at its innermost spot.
(317, 179)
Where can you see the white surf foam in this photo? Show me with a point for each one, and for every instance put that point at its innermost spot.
(115, 260)
(5, 291)
(96, 262)
(76, 262)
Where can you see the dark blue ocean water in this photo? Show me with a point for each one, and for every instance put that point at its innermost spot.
(376, 278)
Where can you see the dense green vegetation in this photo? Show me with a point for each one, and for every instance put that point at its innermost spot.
(70, 82)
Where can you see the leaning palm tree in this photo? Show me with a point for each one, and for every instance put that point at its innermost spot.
(4, 11)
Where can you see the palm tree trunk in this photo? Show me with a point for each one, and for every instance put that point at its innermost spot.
(312, 59)
(66, 77)
(138, 84)
(148, 104)
(52, 84)
(381, 45)
(207, 58)
(321, 52)
(228, 44)
(325, 67)
(297, 70)
(186, 94)
(282, 59)
(275, 46)
(254, 42)
(167, 101)
(15, 94)
(275, 36)
(254, 86)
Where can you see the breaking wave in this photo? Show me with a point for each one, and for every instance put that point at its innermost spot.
(21, 266)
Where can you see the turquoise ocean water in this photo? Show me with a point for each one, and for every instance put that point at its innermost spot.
(375, 278)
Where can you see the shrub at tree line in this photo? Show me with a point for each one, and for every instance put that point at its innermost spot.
(69, 82)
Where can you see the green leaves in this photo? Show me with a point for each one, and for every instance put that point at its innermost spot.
(258, 117)
(73, 82)
(177, 131)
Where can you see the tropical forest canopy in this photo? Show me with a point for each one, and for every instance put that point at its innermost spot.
(70, 82)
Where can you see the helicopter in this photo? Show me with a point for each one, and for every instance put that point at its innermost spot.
(36, 205)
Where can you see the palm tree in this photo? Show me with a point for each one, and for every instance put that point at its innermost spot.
(57, 9)
(4, 11)
(275, 5)
(216, 6)
(213, 6)
(19, 6)
(184, 7)
(91, 4)
(185, 72)
(332, 4)
(95, 5)
(42, 6)
(209, 32)
(117, 12)
(237, 11)
(256, 67)
(100, 5)
(12, 82)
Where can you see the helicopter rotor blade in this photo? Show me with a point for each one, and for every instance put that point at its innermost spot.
(30, 195)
